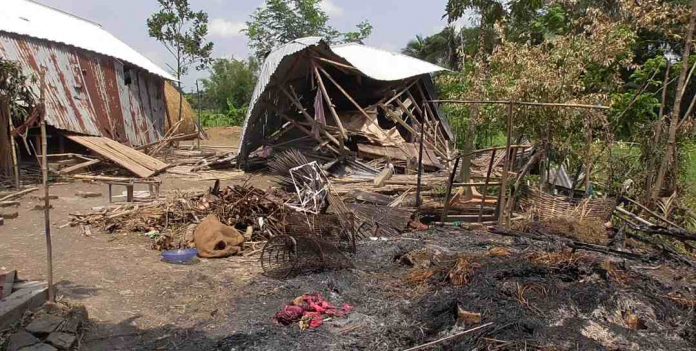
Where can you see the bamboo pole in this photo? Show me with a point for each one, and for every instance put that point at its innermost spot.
(506, 165)
(47, 198)
(420, 171)
(13, 147)
(322, 87)
(522, 103)
(485, 186)
(448, 193)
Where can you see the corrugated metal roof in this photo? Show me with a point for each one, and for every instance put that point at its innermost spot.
(383, 65)
(39, 21)
(89, 93)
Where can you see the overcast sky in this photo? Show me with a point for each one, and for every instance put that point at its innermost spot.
(395, 22)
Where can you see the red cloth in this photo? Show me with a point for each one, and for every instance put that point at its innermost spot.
(312, 308)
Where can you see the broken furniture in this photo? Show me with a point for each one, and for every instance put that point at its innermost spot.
(152, 183)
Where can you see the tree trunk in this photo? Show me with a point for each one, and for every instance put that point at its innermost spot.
(6, 163)
(671, 147)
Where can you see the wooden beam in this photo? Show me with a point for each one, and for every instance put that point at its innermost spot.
(68, 170)
(352, 101)
(320, 82)
(485, 186)
(337, 64)
(448, 193)
(506, 164)
(388, 102)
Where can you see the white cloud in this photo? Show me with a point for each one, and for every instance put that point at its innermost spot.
(330, 8)
(222, 28)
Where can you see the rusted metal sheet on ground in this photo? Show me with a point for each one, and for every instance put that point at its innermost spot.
(92, 94)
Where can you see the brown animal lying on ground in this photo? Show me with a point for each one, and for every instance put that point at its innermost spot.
(214, 239)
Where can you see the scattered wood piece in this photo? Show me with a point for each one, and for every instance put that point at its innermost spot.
(466, 317)
(9, 204)
(441, 340)
(79, 166)
(18, 194)
(2, 221)
(10, 215)
(87, 194)
(384, 175)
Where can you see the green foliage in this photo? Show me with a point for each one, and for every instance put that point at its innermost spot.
(182, 31)
(231, 83)
(233, 117)
(277, 22)
(14, 85)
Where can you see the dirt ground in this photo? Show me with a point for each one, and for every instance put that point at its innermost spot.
(137, 302)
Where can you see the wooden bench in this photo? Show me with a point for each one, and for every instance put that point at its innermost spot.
(153, 186)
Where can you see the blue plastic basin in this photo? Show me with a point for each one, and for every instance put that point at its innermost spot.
(181, 256)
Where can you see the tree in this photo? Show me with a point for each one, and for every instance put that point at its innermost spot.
(280, 21)
(182, 31)
(231, 82)
(444, 48)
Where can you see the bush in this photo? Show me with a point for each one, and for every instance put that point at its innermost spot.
(233, 117)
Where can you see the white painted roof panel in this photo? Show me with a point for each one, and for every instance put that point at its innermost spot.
(383, 65)
(43, 22)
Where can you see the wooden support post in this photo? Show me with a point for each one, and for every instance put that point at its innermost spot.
(47, 198)
(588, 154)
(506, 164)
(448, 194)
(420, 172)
(485, 186)
(322, 87)
(13, 149)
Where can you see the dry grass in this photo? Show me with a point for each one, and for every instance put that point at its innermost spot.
(615, 273)
(587, 230)
(557, 259)
(460, 273)
(419, 276)
(682, 301)
(499, 252)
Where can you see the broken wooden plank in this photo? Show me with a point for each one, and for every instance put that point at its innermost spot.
(9, 203)
(18, 194)
(79, 166)
(403, 152)
(9, 215)
(87, 194)
(384, 175)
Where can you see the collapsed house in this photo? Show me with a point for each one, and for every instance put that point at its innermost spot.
(93, 84)
(343, 101)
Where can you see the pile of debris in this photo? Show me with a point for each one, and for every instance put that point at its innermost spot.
(240, 206)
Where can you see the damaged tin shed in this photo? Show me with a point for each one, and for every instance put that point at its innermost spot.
(345, 102)
(95, 84)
